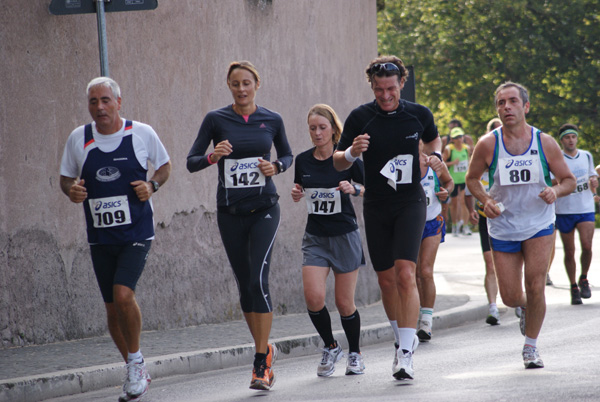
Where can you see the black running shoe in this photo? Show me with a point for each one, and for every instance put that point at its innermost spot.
(584, 288)
(575, 296)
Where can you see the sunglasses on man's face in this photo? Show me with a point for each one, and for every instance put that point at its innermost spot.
(377, 68)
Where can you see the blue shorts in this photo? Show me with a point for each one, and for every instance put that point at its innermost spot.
(566, 223)
(435, 227)
(508, 246)
(118, 265)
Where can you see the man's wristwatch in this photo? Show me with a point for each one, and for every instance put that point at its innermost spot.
(155, 185)
(356, 190)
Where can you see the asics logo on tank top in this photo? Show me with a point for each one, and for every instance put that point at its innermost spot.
(518, 163)
(262, 125)
(415, 136)
(108, 173)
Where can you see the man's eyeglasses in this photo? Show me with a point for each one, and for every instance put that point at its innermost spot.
(377, 68)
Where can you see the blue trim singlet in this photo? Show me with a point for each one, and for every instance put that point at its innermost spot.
(113, 212)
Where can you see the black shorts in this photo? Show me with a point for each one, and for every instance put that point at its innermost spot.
(454, 192)
(118, 265)
(394, 230)
(484, 238)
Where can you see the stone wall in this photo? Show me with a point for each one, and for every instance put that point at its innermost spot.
(171, 64)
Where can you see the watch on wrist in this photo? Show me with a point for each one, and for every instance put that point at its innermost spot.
(356, 190)
(155, 185)
(279, 166)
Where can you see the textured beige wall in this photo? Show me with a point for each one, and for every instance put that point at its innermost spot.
(171, 65)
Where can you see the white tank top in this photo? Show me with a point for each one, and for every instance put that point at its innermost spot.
(431, 185)
(516, 181)
(581, 200)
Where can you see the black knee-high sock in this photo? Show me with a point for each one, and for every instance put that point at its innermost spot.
(351, 325)
(322, 322)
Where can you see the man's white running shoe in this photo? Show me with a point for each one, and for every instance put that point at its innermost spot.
(404, 370)
(531, 357)
(355, 364)
(395, 363)
(136, 383)
(424, 331)
(466, 230)
(522, 321)
(328, 361)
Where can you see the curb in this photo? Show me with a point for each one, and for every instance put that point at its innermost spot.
(69, 382)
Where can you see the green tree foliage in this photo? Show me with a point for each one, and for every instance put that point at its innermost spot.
(462, 50)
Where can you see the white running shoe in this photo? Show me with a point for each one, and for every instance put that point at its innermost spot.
(328, 361)
(493, 317)
(531, 357)
(404, 370)
(424, 331)
(522, 321)
(395, 363)
(466, 230)
(355, 364)
(459, 226)
(136, 383)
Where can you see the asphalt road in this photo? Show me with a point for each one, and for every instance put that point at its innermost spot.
(474, 362)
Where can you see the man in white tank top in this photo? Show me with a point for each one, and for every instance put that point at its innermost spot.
(520, 158)
(577, 211)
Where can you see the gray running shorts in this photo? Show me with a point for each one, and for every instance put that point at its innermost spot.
(342, 253)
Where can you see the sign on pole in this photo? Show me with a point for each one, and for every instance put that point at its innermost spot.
(65, 7)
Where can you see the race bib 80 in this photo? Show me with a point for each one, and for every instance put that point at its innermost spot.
(516, 170)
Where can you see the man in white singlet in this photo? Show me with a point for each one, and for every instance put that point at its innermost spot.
(520, 207)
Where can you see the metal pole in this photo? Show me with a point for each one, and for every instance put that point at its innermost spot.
(102, 38)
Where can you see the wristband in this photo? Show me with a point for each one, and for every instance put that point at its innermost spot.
(349, 156)
(439, 155)
(210, 162)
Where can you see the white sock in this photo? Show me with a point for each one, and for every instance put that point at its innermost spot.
(407, 337)
(530, 342)
(493, 307)
(427, 315)
(394, 325)
(137, 357)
